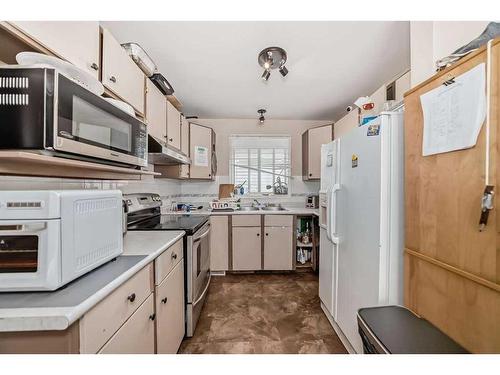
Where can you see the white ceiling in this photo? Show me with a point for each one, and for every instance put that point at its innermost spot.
(214, 71)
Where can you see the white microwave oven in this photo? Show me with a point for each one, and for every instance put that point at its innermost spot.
(49, 238)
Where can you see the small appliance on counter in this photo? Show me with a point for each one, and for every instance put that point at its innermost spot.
(312, 201)
(49, 238)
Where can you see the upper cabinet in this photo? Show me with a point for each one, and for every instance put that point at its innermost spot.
(120, 74)
(200, 151)
(312, 139)
(156, 111)
(173, 126)
(346, 123)
(81, 49)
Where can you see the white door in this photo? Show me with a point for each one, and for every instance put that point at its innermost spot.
(358, 220)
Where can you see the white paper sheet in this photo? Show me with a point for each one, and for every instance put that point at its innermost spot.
(454, 114)
(200, 156)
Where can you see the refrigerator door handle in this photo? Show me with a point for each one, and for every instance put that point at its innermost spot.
(333, 215)
(328, 213)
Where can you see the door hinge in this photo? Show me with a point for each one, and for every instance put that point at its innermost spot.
(486, 206)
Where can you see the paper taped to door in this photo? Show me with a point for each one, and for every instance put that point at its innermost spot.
(454, 113)
(201, 156)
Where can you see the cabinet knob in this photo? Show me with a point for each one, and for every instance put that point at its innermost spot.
(258, 234)
(310, 174)
(164, 300)
(170, 139)
(267, 234)
(174, 256)
(94, 66)
(112, 79)
(209, 175)
(152, 316)
(131, 298)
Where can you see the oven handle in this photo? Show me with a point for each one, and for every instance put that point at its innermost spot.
(204, 290)
(203, 235)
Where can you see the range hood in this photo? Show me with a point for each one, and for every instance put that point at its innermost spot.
(160, 153)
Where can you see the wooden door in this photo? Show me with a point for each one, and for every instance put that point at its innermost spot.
(246, 248)
(315, 138)
(137, 335)
(74, 41)
(120, 74)
(173, 126)
(219, 243)
(170, 308)
(278, 248)
(200, 151)
(156, 111)
(452, 270)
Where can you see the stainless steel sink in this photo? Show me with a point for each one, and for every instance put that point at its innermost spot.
(249, 208)
(273, 208)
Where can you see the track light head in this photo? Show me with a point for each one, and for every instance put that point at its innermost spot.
(261, 118)
(266, 75)
(283, 70)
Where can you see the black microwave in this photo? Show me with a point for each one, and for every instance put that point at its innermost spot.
(42, 110)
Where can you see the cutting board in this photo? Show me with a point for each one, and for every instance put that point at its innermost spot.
(225, 190)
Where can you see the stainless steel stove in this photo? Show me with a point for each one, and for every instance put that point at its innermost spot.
(144, 214)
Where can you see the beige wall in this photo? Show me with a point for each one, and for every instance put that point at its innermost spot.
(433, 40)
(227, 127)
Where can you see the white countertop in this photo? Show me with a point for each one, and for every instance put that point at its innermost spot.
(287, 211)
(30, 314)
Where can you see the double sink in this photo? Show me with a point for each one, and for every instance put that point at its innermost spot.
(264, 208)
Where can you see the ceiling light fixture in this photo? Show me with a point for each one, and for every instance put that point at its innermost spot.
(261, 118)
(272, 58)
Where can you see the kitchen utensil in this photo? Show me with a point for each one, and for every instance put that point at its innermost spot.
(76, 74)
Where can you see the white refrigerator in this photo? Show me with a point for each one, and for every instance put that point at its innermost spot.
(362, 218)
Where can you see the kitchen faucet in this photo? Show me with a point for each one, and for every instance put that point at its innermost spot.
(258, 203)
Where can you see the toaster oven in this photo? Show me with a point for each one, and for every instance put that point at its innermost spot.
(41, 110)
(49, 238)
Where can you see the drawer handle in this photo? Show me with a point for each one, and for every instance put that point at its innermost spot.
(112, 79)
(174, 256)
(131, 298)
(152, 317)
(94, 66)
(164, 300)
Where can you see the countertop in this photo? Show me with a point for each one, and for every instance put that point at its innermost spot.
(288, 211)
(57, 310)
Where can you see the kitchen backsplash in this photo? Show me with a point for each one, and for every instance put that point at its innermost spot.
(170, 190)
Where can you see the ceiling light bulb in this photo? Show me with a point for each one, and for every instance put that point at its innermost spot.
(266, 75)
(261, 119)
(283, 70)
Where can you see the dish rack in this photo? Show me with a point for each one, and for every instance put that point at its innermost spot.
(228, 204)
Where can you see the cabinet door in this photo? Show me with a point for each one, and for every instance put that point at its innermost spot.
(347, 123)
(219, 244)
(173, 126)
(156, 111)
(200, 151)
(246, 248)
(137, 335)
(170, 308)
(81, 49)
(316, 138)
(120, 74)
(278, 246)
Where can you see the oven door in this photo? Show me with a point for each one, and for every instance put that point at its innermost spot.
(88, 125)
(198, 275)
(29, 255)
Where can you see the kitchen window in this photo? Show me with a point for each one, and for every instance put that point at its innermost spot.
(261, 164)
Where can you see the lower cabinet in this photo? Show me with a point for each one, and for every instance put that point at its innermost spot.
(219, 243)
(170, 311)
(246, 248)
(137, 335)
(278, 251)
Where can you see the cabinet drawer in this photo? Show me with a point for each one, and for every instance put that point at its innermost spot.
(167, 261)
(137, 335)
(246, 220)
(278, 220)
(170, 309)
(100, 323)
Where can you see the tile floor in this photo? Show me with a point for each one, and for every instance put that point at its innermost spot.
(263, 313)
